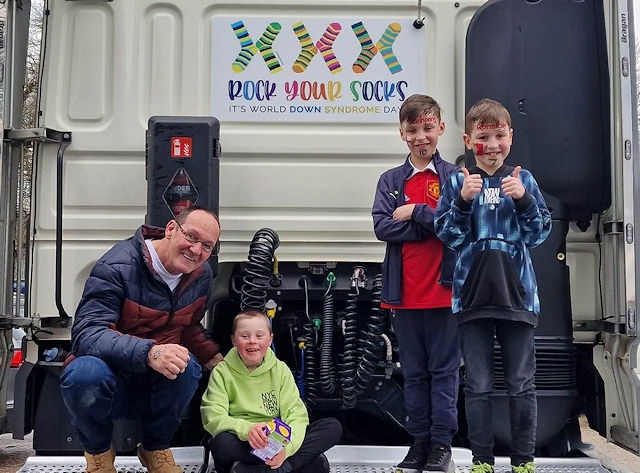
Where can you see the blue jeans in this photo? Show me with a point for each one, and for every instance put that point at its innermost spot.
(96, 394)
(430, 360)
(516, 341)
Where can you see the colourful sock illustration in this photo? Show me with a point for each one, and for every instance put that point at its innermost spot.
(265, 46)
(325, 46)
(368, 51)
(308, 48)
(248, 48)
(385, 45)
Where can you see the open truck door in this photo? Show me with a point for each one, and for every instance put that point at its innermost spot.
(547, 63)
(571, 93)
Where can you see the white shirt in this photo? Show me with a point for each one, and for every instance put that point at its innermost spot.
(172, 280)
(415, 171)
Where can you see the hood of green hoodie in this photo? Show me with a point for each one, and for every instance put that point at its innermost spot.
(235, 364)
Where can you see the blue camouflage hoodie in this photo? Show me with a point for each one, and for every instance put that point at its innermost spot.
(494, 275)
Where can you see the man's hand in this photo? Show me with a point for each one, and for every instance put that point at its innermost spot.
(512, 185)
(217, 358)
(471, 186)
(169, 360)
(404, 212)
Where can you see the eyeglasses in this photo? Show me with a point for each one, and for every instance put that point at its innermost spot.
(213, 248)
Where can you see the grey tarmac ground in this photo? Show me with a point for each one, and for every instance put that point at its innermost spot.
(14, 453)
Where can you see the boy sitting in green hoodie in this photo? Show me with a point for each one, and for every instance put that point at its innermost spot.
(247, 390)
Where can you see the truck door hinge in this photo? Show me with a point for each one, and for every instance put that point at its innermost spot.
(611, 228)
(614, 325)
(42, 134)
(619, 228)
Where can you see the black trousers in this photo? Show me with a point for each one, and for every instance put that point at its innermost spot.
(321, 435)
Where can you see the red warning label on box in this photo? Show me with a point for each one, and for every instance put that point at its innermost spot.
(181, 147)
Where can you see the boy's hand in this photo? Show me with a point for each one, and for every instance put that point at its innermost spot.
(471, 186)
(403, 213)
(277, 460)
(257, 438)
(217, 358)
(512, 185)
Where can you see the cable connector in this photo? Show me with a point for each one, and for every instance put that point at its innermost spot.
(388, 370)
(270, 308)
(358, 277)
(331, 279)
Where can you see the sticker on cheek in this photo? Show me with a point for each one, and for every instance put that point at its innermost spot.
(478, 149)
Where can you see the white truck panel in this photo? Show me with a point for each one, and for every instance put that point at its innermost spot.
(313, 183)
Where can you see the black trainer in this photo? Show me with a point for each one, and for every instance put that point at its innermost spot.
(415, 459)
(240, 467)
(319, 464)
(439, 459)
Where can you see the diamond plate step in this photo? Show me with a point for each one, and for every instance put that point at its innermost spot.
(342, 458)
(190, 459)
(374, 459)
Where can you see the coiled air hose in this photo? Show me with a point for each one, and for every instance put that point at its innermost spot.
(309, 364)
(373, 350)
(349, 359)
(327, 368)
(259, 270)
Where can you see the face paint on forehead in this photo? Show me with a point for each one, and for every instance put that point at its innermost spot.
(491, 126)
(423, 119)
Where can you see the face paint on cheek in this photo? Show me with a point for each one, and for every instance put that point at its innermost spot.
(478, 149)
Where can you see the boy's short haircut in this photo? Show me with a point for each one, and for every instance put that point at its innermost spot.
(419, 104)
(249, 314)
(486, 111)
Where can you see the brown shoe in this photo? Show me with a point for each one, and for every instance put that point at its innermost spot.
(158, 461)
(102, 462)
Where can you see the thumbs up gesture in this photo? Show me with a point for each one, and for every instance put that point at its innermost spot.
(512, 185)
(471, 186)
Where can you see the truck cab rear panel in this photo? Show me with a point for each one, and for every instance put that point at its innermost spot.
(303, 139)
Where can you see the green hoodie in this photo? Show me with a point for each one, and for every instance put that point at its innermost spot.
(237, 398)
